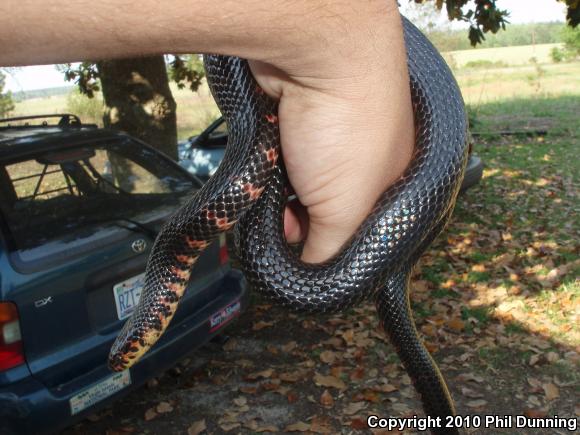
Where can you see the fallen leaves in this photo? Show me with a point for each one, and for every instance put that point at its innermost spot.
(551, 391)
(455, 324)
(150, 414)
(328, 357)
(472, 394)
(240, 401)
(197, 428)
(469, 377)
(289, 347)
(535, 413)
(353, 408)
(478, 403)
(261, 374)
(261, 325)
(326, 399)
(299, 426)
(163, 408)
(329, 381)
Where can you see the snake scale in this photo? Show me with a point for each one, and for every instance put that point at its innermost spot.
(250, 189)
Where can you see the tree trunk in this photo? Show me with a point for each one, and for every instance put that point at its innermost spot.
(138, 101)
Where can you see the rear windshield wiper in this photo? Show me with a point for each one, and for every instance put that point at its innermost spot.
(137, 227)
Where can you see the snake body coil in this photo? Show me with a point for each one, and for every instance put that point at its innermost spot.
(249, 187)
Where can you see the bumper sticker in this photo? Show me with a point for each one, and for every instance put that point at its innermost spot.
(223, 316)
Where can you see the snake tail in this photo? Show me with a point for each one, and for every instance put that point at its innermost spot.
(252, 119)
(395, 316)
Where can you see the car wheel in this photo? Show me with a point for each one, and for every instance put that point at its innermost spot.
(473, 172)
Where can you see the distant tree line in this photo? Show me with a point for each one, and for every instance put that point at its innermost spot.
(6, 103)
(513, 35)
(41, 93)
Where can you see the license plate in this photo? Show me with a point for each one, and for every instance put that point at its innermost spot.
(127, 294)
(99, 391)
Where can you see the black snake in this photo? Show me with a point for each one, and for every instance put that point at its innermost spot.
(250, 188)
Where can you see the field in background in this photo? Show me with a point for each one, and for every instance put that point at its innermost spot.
(519, 55)
(195, 111)
(535, 80)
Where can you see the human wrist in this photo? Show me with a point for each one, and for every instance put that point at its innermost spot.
(339, 32)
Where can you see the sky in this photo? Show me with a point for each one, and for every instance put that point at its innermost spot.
(46, 76)
(521, 11)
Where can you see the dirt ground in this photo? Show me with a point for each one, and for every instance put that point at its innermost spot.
(283, 372)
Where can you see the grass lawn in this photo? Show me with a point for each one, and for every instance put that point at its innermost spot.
(522, 220)
(499, 292)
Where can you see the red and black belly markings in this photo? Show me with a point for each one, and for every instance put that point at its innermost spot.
(224, 223)
(254, 190)
(155, 320)
(181, 274)
(171, 263)
(220, 220)
(196, 243)
(163, 297)
(272, 156)
(186, 260)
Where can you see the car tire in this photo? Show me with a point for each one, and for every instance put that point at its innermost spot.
(473, 172)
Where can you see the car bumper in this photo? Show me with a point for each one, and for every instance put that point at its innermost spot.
(28, 407)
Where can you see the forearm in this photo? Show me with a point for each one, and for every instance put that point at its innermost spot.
(52, 31)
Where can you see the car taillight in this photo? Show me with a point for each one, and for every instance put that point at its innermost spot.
(11, 353)
(224, 255)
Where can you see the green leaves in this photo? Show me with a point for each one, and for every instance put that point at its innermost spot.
(186, 70)
(85, 75)
(573, 14)
(6, 103)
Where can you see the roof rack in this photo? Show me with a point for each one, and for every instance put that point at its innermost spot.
(65, 120)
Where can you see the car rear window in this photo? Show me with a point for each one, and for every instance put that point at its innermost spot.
(59, 193)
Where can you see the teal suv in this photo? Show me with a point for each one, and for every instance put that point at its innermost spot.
(80, 208)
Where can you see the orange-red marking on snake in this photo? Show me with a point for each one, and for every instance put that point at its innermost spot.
(224, 224)
(271, 118)
(254, 191)
(177, 288)
(180, 273)
(272, 156)
(196, 244)
(210, 214)
(185, 259)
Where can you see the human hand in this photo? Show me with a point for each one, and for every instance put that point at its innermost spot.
(346, 130)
